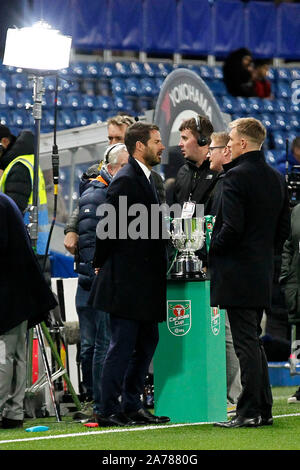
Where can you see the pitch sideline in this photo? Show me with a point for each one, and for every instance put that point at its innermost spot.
(109, 431)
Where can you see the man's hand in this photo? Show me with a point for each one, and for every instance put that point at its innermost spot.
(71, 242)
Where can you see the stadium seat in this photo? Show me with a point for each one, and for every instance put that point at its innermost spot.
(295, 74)
(294, 123)
(149, 70)
(122, 104)
(268, 120)
(21, 119)
(92, 70)
(148, 87)
(228, 104)
(98, 115)
(118, 86)
(278, 140)
(19, 81)
(78, 69)
(24, 99)
(206, 72)
(136, 69)
(66, 119)
(88, 102)
(83, 117)
(281, 121)
(5, 80)
(73, 100)
(270, 158)
(268, 106)
(9, 101)
(159, 81)
(241, 105)
(255, 105)
(163, 69)
(107, 70)
(122, 69)
(5, 117)
(217, 72)
(104, 102)
(283, 74)
(217, 87)
(281, 106)
(47, 122)
(283, 90)
(133, 86)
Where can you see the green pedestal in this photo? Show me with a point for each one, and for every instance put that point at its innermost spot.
(190, 359)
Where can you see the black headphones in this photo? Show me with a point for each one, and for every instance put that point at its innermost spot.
(202, 140)
(109, 149)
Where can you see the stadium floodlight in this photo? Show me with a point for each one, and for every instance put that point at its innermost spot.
(41, 51)
(37, 48)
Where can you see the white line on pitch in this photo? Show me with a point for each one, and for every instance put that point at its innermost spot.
(110, 431)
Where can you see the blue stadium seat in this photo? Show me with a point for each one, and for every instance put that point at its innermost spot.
(122, 69)
(281, 122)
(255, 105)
(133, 86)
(217, 87)
(163, 69)
(281, 105)
(295, 74)
(92, 70)
(217, 72)
(118, 86)
(206, 72)
(149, 70)
(122, 104)
(268, 120)
(88, 102)
(228, 104)
(83, 117)
(137, 69)
(279, 140)
(21, 119)
(66, 119)
(78, 69)
(159, 81)
(19, 81)
(50, 83)
(5, 117)
(24, 99)
(294, 108)
(105, 102)
(47, 122)
(107, 70)
(294, 123)
(98, 116)
(283, 90)
(10, 100)
(74, 100)
(283, 74)
(148, 87)
(268, 106)
(270, 158)
(241, 105)
(271, 74)
(70, 85)
(5, 80)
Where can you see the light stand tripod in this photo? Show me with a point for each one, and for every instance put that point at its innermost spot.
(41, 329)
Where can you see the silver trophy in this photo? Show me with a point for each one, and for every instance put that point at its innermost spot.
(187, 236)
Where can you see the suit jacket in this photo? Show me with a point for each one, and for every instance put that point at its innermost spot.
(253, 220)
(24, 293)
(132, 279)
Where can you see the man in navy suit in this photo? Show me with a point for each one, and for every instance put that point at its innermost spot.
(131, 282)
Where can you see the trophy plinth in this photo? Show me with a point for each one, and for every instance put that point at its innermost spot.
(187, 237)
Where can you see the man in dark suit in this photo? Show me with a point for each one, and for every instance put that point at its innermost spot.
(253, 220)
(131, 282)
(25, 301)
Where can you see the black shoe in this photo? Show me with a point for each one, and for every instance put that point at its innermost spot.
(117, 419)
(240, 422)
(143, 416)
(266, 421)
(8, 423)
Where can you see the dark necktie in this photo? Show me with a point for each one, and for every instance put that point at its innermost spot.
(153, 187)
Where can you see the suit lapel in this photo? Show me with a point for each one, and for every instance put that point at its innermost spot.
(143, 181)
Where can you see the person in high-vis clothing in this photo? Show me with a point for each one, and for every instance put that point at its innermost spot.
(17, 165)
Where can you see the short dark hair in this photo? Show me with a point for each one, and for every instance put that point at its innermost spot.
(138, 132)
(205, 126)
(5, 132)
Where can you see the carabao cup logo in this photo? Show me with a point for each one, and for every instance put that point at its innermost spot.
(215, 320)
(179, 317)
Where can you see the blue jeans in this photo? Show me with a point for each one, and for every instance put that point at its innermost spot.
(94, 341)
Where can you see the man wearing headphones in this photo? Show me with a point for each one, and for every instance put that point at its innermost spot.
(195, 180)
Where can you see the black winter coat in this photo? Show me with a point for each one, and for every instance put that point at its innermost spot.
(253, 220)
(93, 194)
(132, 279)
(24, 292)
